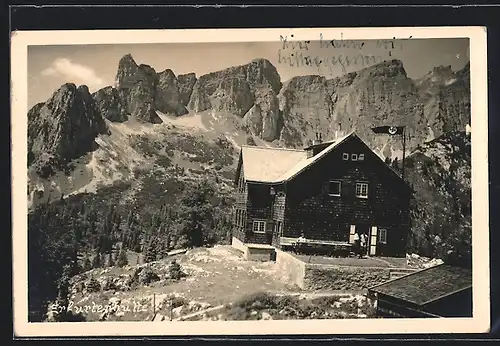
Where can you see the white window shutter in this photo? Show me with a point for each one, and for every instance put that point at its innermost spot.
(351, 233)
(373, 241)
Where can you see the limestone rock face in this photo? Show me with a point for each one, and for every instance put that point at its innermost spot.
(109, 104)
(307, 108)
(137, 89)
(186, 84)
(446, 98)
(440, 174)
(64, 127)
(168, 97)
(235, 89)
(381, 94)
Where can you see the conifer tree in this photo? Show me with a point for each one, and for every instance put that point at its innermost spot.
(87, 265)
(97, 261)
(151, 251)
(111, 262)
(122, 258)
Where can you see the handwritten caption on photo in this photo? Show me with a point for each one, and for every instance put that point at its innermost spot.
(302, 53)
(116, 307)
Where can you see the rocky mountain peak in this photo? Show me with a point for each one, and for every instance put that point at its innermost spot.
(442, 70)
(390, 68)
(63, 128)
(167, 96)
(127, 60)
(186, 84)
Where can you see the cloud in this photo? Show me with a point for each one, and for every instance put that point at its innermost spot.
(74, 73)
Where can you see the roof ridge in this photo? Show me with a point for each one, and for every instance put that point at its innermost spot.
(287, 175)
(271, 148)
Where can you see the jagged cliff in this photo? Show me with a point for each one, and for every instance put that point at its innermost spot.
(290, 113)
(382, 94)
(63, 128)
(440, 173)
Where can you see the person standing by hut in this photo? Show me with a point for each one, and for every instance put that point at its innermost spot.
(363, 241)
(357, 243)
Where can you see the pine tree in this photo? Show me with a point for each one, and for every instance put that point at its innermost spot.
(63, 293)
(151, 251)
(87, 265)
(395, 164)
(97, 261)
(111, 262)
(175, 270)
(116, 255)
(122, 258)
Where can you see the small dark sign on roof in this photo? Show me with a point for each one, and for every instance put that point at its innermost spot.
(427, 285)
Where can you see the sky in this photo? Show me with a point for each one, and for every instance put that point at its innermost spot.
(95, 65)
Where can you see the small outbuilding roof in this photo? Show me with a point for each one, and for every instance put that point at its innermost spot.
(427, 285)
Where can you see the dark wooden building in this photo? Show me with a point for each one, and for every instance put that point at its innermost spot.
(440, 291)
(325, 192)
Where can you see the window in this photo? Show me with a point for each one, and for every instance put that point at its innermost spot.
(279, 227)
(361, 190)
(259, 227)
(354, 157)
(334, 188)
(240, 217)
(382, 238)
(361, 157)
(345, 156)
(241, 184)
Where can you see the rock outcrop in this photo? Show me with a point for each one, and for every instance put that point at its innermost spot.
(446, 98)
(440, 173)
(168, 97)
(382, 94)
(63, 128)
(307, 107)
(137, 88)
(186, 84)
(236, 89)
(291, 113)
(109, 104)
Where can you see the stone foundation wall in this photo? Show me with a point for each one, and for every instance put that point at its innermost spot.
(238, 244)
(253, 253)
(291, 269)
(257, 254)
(319, 277)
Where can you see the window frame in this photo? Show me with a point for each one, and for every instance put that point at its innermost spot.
(241, 184)
(340, 188)
(361, 157)
(361, 190)
(354, 157)
(345, 156)
(384, 232)
(259, 222)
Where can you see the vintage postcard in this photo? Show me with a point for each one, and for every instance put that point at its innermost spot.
(250, 181)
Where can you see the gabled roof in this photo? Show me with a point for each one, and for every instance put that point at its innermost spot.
(277, 165)
(303, 164)
(427, 285)
(263, 164)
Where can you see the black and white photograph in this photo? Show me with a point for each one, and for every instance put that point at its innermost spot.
(328, 177)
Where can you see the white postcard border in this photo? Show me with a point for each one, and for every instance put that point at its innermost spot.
(480, 322)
